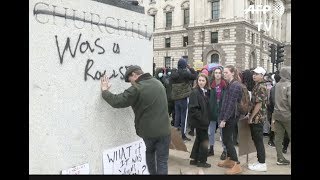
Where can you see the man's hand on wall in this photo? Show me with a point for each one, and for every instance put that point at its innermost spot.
(105, 85)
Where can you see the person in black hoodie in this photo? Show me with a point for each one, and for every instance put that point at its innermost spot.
(168, 86)
(163, 75)
(181, 90)
(199, 118)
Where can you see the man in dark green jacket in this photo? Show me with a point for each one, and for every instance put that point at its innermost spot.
(148, 99)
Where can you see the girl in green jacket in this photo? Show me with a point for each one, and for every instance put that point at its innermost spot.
(218, 84)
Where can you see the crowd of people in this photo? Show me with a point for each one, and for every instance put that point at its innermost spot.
(204, 102)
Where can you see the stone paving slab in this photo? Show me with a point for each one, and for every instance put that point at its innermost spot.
(179, 160)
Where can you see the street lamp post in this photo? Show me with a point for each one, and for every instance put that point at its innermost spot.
(154, 66)
(172, 62)
(202, 37)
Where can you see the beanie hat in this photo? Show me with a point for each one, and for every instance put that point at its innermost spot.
(182, 63)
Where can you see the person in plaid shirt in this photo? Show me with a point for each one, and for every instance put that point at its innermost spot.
(228, 118)
(257, 116)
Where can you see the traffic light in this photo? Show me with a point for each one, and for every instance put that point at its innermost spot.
(280, 51)
(272, 53)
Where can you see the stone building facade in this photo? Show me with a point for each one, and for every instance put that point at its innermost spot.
(217, 31)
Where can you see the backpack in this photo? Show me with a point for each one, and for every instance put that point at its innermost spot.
(269, 101)
(243, 107)
(180, 90)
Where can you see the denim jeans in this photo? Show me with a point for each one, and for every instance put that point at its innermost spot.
(212, 131)
(157, 154)
(180, 107)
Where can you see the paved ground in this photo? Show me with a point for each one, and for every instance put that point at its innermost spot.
(179, 160)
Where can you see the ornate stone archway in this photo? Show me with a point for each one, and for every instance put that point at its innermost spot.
(213, 57)
(213, 49)
(152, 11)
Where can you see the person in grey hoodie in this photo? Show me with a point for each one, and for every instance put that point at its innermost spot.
(282, 112)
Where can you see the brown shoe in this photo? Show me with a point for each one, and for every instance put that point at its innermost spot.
(226, 163)
(236, 169)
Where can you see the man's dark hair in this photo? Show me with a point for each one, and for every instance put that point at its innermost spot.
(138, 72)
(247, 79)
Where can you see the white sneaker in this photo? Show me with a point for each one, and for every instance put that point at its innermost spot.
(258, 167)
(253, 164)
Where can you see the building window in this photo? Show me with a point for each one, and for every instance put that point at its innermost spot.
(152, 1)
(154, 21)
(168, 19)
(214, 58)
(167, 42)
(226, 33)
(215, 9)
(251, 14)
(252, 38)
(167, 62)
(267, 18)
(252, 60)
(186, 17)
(185, 41)
(214, 37)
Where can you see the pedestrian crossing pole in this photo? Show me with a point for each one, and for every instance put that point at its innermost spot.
(272, 54)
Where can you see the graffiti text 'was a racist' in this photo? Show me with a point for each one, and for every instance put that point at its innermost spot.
(83, 46)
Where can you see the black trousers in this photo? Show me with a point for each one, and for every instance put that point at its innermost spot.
(228, 132)
(257, 137)
(200, 146)
(171, 108)
(235, 135)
